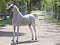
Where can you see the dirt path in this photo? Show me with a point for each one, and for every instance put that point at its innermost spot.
(48, 34)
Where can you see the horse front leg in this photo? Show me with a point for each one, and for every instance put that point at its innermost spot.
(13, 34)
(17, 33)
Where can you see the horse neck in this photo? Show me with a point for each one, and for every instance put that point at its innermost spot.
(16, 12)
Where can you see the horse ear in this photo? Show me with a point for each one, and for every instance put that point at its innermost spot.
(13, 3)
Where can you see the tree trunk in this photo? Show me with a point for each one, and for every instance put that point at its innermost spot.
(29, 7)
(59, 12)
(55, 11)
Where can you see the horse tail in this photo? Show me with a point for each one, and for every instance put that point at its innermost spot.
(36, 16)
(36, 19)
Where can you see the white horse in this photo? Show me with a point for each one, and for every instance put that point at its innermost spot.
(20, 20)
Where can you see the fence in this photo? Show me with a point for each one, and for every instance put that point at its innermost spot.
(3, 15)
(23, 9)
(48, 12)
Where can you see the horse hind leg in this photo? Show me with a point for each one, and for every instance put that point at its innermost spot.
(31, 30)
(34, 31)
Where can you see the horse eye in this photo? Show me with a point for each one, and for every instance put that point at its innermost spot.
(11, 7)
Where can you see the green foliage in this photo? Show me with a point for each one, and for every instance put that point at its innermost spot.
(2, 5)
(49, 2)
(57, 22)
(30, 3)
(57, 9)
(58, 3)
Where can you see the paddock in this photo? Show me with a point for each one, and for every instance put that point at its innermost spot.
(48, 34)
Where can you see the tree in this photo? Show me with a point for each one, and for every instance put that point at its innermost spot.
(57, 9)
(34, 3)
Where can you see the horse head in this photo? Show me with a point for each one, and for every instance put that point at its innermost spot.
(10, 7)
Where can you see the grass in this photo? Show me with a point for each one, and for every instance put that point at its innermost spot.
(56, 21)
(38, 11)
(5, 22)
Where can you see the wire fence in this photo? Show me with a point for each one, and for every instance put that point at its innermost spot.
(48, 12)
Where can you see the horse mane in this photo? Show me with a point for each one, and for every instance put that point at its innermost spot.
(17, 9)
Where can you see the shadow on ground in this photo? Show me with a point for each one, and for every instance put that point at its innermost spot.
(24, 42)
(57, 44)
(2, 28)
(9, 34)
(54, 31)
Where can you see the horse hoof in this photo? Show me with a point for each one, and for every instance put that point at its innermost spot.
(35, 38)
(12, 40)
(17, 41)
(32, 38)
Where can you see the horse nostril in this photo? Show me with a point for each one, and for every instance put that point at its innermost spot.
(7, 9)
